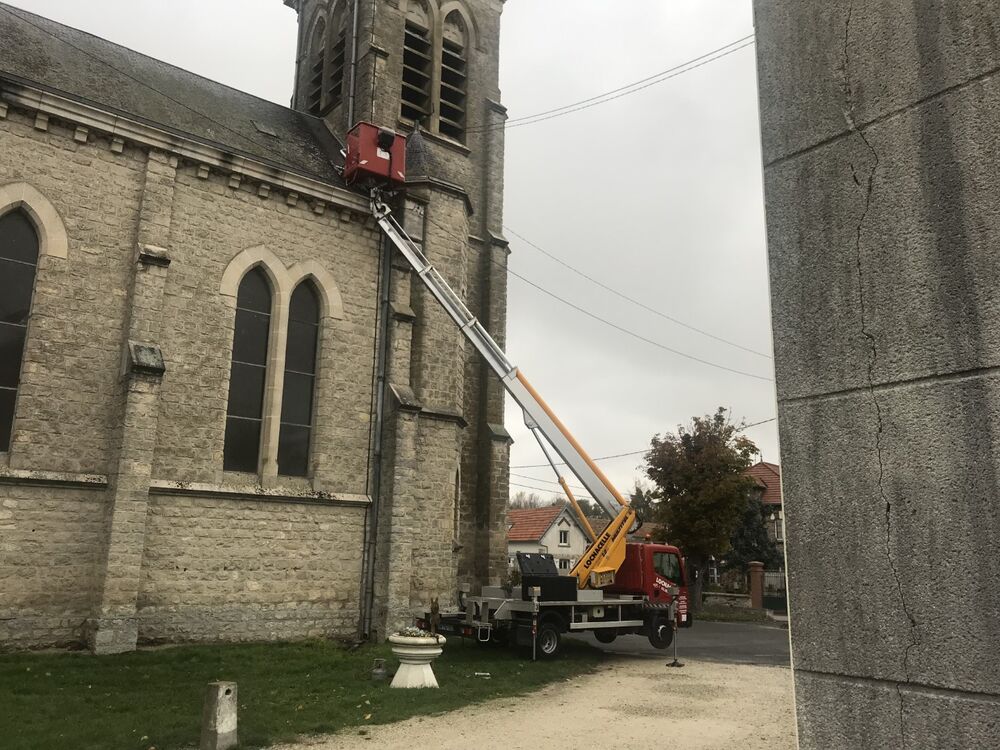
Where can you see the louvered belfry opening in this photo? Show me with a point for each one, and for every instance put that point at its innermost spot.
(454, 76)
(415, 102)
(338, 59)
(317, 57)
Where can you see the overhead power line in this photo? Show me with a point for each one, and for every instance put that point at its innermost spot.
(633, 334)
(634, 87)
(630, 453)
(545, 489)
(633, 83)
(605, 321)
(547, 481)
(634, 301)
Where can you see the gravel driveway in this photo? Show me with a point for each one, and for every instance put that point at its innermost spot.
(629, 703)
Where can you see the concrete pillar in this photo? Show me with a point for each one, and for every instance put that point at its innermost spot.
(880, 125)
(757, 585)
(219, 717)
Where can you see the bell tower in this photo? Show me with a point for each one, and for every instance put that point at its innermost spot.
(429, 69)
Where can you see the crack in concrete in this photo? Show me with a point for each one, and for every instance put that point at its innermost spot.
(873, 361)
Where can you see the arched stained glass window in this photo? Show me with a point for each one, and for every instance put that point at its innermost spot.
(245, 411)
(300, 382)
(18, 262)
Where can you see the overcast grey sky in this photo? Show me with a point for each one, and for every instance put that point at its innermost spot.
(657, 194)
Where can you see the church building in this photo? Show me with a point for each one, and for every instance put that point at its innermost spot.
(228, 412)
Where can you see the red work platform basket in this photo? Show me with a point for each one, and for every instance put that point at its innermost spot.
(375, 155)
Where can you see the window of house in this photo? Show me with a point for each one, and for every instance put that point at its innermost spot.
(454, 74)
(564, 538)
(18, 263)
(300, 382)
(317, 57)
(563, 563)
(337, 57)
(415, 101)
(244, 412)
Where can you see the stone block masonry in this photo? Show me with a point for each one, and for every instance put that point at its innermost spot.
(119, 523)
(880, 127)
(84, 554)
(240, 570)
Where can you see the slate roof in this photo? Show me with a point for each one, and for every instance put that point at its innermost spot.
(530, 524)
(768, 478)
(66, 61)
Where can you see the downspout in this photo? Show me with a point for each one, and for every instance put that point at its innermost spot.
(352, 81)
(371, 530)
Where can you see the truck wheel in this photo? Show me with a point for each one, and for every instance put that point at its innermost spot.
(605, 635)
(660, 632)
(548, 640)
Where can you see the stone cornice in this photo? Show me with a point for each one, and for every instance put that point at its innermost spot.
(53, 478)
(444, 415)
(443, 186)
(256, 492)
(497, 107)
(185, 146)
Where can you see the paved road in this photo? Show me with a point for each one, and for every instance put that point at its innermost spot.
(725, 642)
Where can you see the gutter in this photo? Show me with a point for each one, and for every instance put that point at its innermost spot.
(381, 386)
(352, 82)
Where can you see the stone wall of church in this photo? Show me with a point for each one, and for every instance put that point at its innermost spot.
(50, 542)
(119, 523)
(73, 350)
(203, 557)
(236, 570)
(212, 223)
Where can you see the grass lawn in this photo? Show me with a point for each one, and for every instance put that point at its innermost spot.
(153, 699)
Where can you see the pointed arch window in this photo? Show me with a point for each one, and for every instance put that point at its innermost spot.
(415, 100)
(337, 57)
(295, 435)
(317, 61)
(454, 76)
(18, 264)
(248, 376)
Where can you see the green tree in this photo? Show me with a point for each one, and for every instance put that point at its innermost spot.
(701, 488)
(750, 540)
(642, 499)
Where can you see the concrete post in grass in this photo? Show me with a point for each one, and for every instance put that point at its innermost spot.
(218, 723)
(757, 585)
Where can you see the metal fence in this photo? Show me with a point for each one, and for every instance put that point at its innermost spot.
(774, 580)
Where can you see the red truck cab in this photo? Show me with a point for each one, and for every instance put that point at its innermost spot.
(654, 570)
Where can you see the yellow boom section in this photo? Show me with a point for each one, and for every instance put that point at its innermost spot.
(606, 552)
(605, 556)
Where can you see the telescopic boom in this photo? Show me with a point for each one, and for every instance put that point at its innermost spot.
(597, 567)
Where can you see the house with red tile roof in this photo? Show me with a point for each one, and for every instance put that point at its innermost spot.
(767, 477)
(553, 530)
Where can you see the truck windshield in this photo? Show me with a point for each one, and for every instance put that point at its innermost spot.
(669, 566)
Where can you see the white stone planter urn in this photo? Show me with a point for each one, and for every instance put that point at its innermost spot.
(415, 654)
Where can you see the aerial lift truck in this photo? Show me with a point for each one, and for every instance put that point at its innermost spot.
(616, 587)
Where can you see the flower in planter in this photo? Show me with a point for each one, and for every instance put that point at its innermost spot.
(413, 632)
